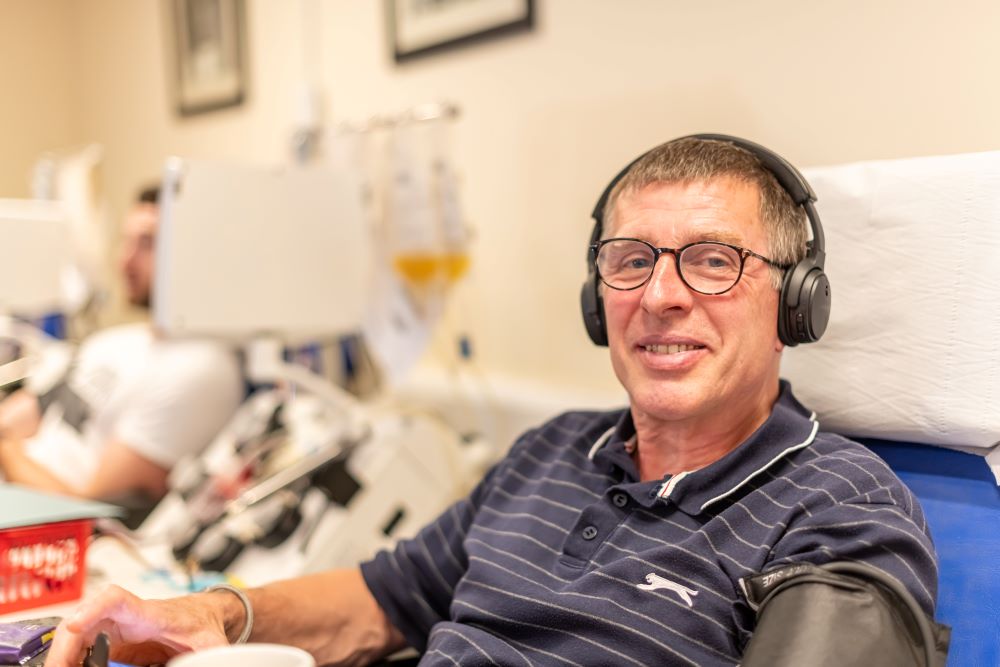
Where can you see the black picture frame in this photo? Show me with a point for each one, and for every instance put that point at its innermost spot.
(209, 40)
(422, 27)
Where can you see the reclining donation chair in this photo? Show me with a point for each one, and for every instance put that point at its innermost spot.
(910, 363)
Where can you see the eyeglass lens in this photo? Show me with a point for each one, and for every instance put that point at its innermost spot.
(710, 268)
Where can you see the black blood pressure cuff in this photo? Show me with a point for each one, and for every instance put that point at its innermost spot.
(839, 614)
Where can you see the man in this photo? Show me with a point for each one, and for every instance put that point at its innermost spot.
(620, 537)
(131, 405)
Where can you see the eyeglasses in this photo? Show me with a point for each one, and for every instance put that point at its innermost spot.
(707, 267)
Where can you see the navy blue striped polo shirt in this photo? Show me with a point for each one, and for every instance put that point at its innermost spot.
(560, 556)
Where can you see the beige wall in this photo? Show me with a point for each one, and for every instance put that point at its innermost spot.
(548, 117)
(38, 87)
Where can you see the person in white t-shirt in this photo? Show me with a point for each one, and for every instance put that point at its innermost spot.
(132, 404)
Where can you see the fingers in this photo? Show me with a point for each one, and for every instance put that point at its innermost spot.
(104, 612)
(67, 647)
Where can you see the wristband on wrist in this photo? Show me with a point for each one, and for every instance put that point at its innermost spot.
(247, 608)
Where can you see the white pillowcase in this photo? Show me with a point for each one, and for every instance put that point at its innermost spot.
(913, 256)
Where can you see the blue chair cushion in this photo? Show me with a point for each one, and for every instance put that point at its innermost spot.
(961, 500)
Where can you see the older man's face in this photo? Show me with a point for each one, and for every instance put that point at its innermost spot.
(684, 357)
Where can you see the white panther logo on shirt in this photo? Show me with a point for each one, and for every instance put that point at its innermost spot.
(655, 582)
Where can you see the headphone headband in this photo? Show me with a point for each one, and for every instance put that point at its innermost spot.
(788, 177)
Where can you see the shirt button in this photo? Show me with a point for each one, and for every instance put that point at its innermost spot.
(619, 499)
(589, 533)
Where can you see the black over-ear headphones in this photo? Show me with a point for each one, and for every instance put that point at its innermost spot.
(804, 306)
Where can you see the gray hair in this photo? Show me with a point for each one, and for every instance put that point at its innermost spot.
(692, 159)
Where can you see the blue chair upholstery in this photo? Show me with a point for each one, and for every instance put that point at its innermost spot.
(961, 500)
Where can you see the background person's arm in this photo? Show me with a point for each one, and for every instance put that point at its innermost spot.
(18, 467)
(332, 615)
(119, 470)
(20, 415)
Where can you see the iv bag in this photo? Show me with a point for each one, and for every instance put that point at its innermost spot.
(426, 235)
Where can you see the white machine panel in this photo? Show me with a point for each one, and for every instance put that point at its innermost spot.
(246, 251)
(37, 252)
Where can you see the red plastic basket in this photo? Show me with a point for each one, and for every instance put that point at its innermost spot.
(42, 565)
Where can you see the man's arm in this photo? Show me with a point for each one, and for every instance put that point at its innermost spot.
(173, 409)
(332, 615)
(335, 618)
(890, 537)
(119, 470)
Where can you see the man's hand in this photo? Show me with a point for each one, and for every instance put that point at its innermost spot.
(142, 632)
(331, 614)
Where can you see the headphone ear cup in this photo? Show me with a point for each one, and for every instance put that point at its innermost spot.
(804, 304)
(816, 298)
(592, 306)
(784, 332)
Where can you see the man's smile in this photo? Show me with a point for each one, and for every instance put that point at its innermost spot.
(671, 349)
(670, 353)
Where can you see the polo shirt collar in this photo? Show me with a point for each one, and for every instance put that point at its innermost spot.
(789, 427)
(609, 451)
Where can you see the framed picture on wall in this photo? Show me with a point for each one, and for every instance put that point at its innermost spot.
(209, 42)
(420, 27)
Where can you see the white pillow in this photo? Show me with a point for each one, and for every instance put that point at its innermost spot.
(913, 256)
